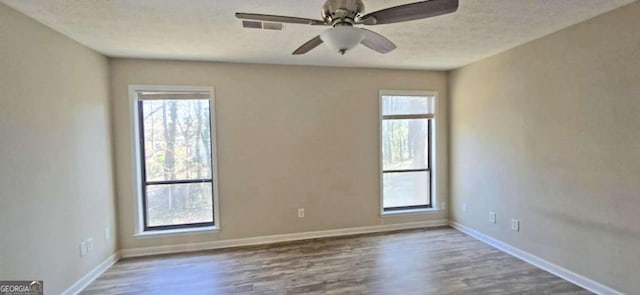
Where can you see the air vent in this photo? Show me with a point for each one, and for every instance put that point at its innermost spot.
(260, 25)
(272, 26)
(251, 24)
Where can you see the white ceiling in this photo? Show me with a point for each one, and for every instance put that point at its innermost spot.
(207, 29)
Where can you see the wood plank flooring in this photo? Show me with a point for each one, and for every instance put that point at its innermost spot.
(427, 261)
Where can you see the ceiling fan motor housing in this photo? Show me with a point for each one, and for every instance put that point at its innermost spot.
(341, 11)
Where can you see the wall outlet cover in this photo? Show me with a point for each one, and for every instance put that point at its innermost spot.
(492, 217)
(515, 225)
(89, 244)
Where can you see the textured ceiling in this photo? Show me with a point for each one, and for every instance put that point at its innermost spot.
(208, 30)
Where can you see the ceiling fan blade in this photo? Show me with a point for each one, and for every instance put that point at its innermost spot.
(377, 42)
(280, 19)
(306, 47)
(411, 11)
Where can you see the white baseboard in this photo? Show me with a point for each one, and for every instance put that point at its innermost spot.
(92, 275)
(137, 252)
(564, 273)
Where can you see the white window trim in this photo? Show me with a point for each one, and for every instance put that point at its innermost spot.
(435, 208)
(135, 162)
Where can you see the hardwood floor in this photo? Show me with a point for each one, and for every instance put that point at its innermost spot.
(429, 261)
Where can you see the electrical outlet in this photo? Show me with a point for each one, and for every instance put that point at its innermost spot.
(515, 225)
(107, 233)
(300, 212)
(492, 217)
(443, 205)
(83, 248)
(89, 245)
(464, 207)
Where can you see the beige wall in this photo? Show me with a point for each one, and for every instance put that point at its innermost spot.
(55, 155)
(549, 133)
(546, 133)
(288, 137)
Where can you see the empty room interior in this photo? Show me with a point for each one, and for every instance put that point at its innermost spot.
(320, 147)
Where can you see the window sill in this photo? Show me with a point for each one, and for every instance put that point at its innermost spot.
(411, 211)
(174, 232)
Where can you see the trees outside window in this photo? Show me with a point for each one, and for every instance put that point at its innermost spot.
(176, 159)
(406, 137)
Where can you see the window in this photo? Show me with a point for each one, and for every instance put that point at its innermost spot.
(176, 157)
(407, 124)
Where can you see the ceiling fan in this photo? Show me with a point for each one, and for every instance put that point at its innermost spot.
(342, 15)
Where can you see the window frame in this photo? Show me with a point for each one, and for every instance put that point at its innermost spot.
(431, 152)
(141, 228)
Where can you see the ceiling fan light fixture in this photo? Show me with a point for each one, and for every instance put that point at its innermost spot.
(342, 38)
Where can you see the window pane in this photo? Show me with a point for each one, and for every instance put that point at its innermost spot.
(175, 204)
(407, 105)
(406, 189)
(404, 144)
(177, 141)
